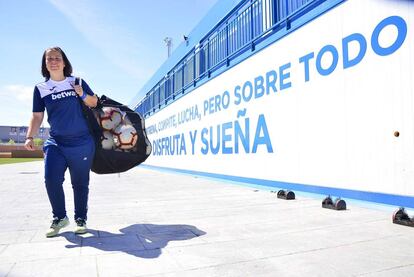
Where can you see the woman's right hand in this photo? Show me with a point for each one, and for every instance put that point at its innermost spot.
(29, 144)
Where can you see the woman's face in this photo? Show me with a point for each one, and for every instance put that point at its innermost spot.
(54, 62)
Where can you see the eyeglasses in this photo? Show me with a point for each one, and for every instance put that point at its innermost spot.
(51, 59)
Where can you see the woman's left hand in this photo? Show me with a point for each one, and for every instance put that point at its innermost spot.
(78, 89)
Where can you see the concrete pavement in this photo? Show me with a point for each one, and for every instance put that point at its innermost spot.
(152, 223)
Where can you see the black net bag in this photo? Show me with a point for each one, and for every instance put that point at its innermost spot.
(120, 137)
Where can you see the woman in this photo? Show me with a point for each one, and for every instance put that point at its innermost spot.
(70, 144)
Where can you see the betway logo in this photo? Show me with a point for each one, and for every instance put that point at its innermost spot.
(63, 94)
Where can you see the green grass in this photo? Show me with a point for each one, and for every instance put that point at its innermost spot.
(18, 160)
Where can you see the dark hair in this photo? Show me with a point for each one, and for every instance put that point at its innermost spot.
(67, 70)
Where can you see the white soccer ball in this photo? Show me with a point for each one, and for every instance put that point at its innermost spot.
(126, 120)
(110, 118)
(125, 136)
(107, 140)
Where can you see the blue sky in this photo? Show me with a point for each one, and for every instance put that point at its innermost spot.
(116, 46)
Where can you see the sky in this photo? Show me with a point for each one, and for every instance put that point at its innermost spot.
(114, 45)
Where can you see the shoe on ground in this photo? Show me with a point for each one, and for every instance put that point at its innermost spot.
(80, 226)
(57, 224)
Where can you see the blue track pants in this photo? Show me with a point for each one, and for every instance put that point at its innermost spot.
(79, 161)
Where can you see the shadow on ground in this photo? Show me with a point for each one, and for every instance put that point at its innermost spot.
(140, 240)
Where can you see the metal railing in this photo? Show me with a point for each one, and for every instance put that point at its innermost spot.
(240, 31)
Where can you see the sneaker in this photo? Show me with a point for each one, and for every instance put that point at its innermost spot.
(57, 224)
(80, 226)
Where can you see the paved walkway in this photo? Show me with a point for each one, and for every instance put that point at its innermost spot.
(152, 223)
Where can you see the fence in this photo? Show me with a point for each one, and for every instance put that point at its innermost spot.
(245, 26)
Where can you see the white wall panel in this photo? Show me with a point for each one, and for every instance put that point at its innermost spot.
(335, 130)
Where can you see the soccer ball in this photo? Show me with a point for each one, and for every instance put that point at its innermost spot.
(107, 140)
(126, 120)
(109, 118)
(125, 136)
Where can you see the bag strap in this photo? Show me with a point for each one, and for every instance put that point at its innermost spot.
(78, 81)
(94, 129)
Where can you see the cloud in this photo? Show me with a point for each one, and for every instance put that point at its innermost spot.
(21, 93)
(114, 42)
(16, 103)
